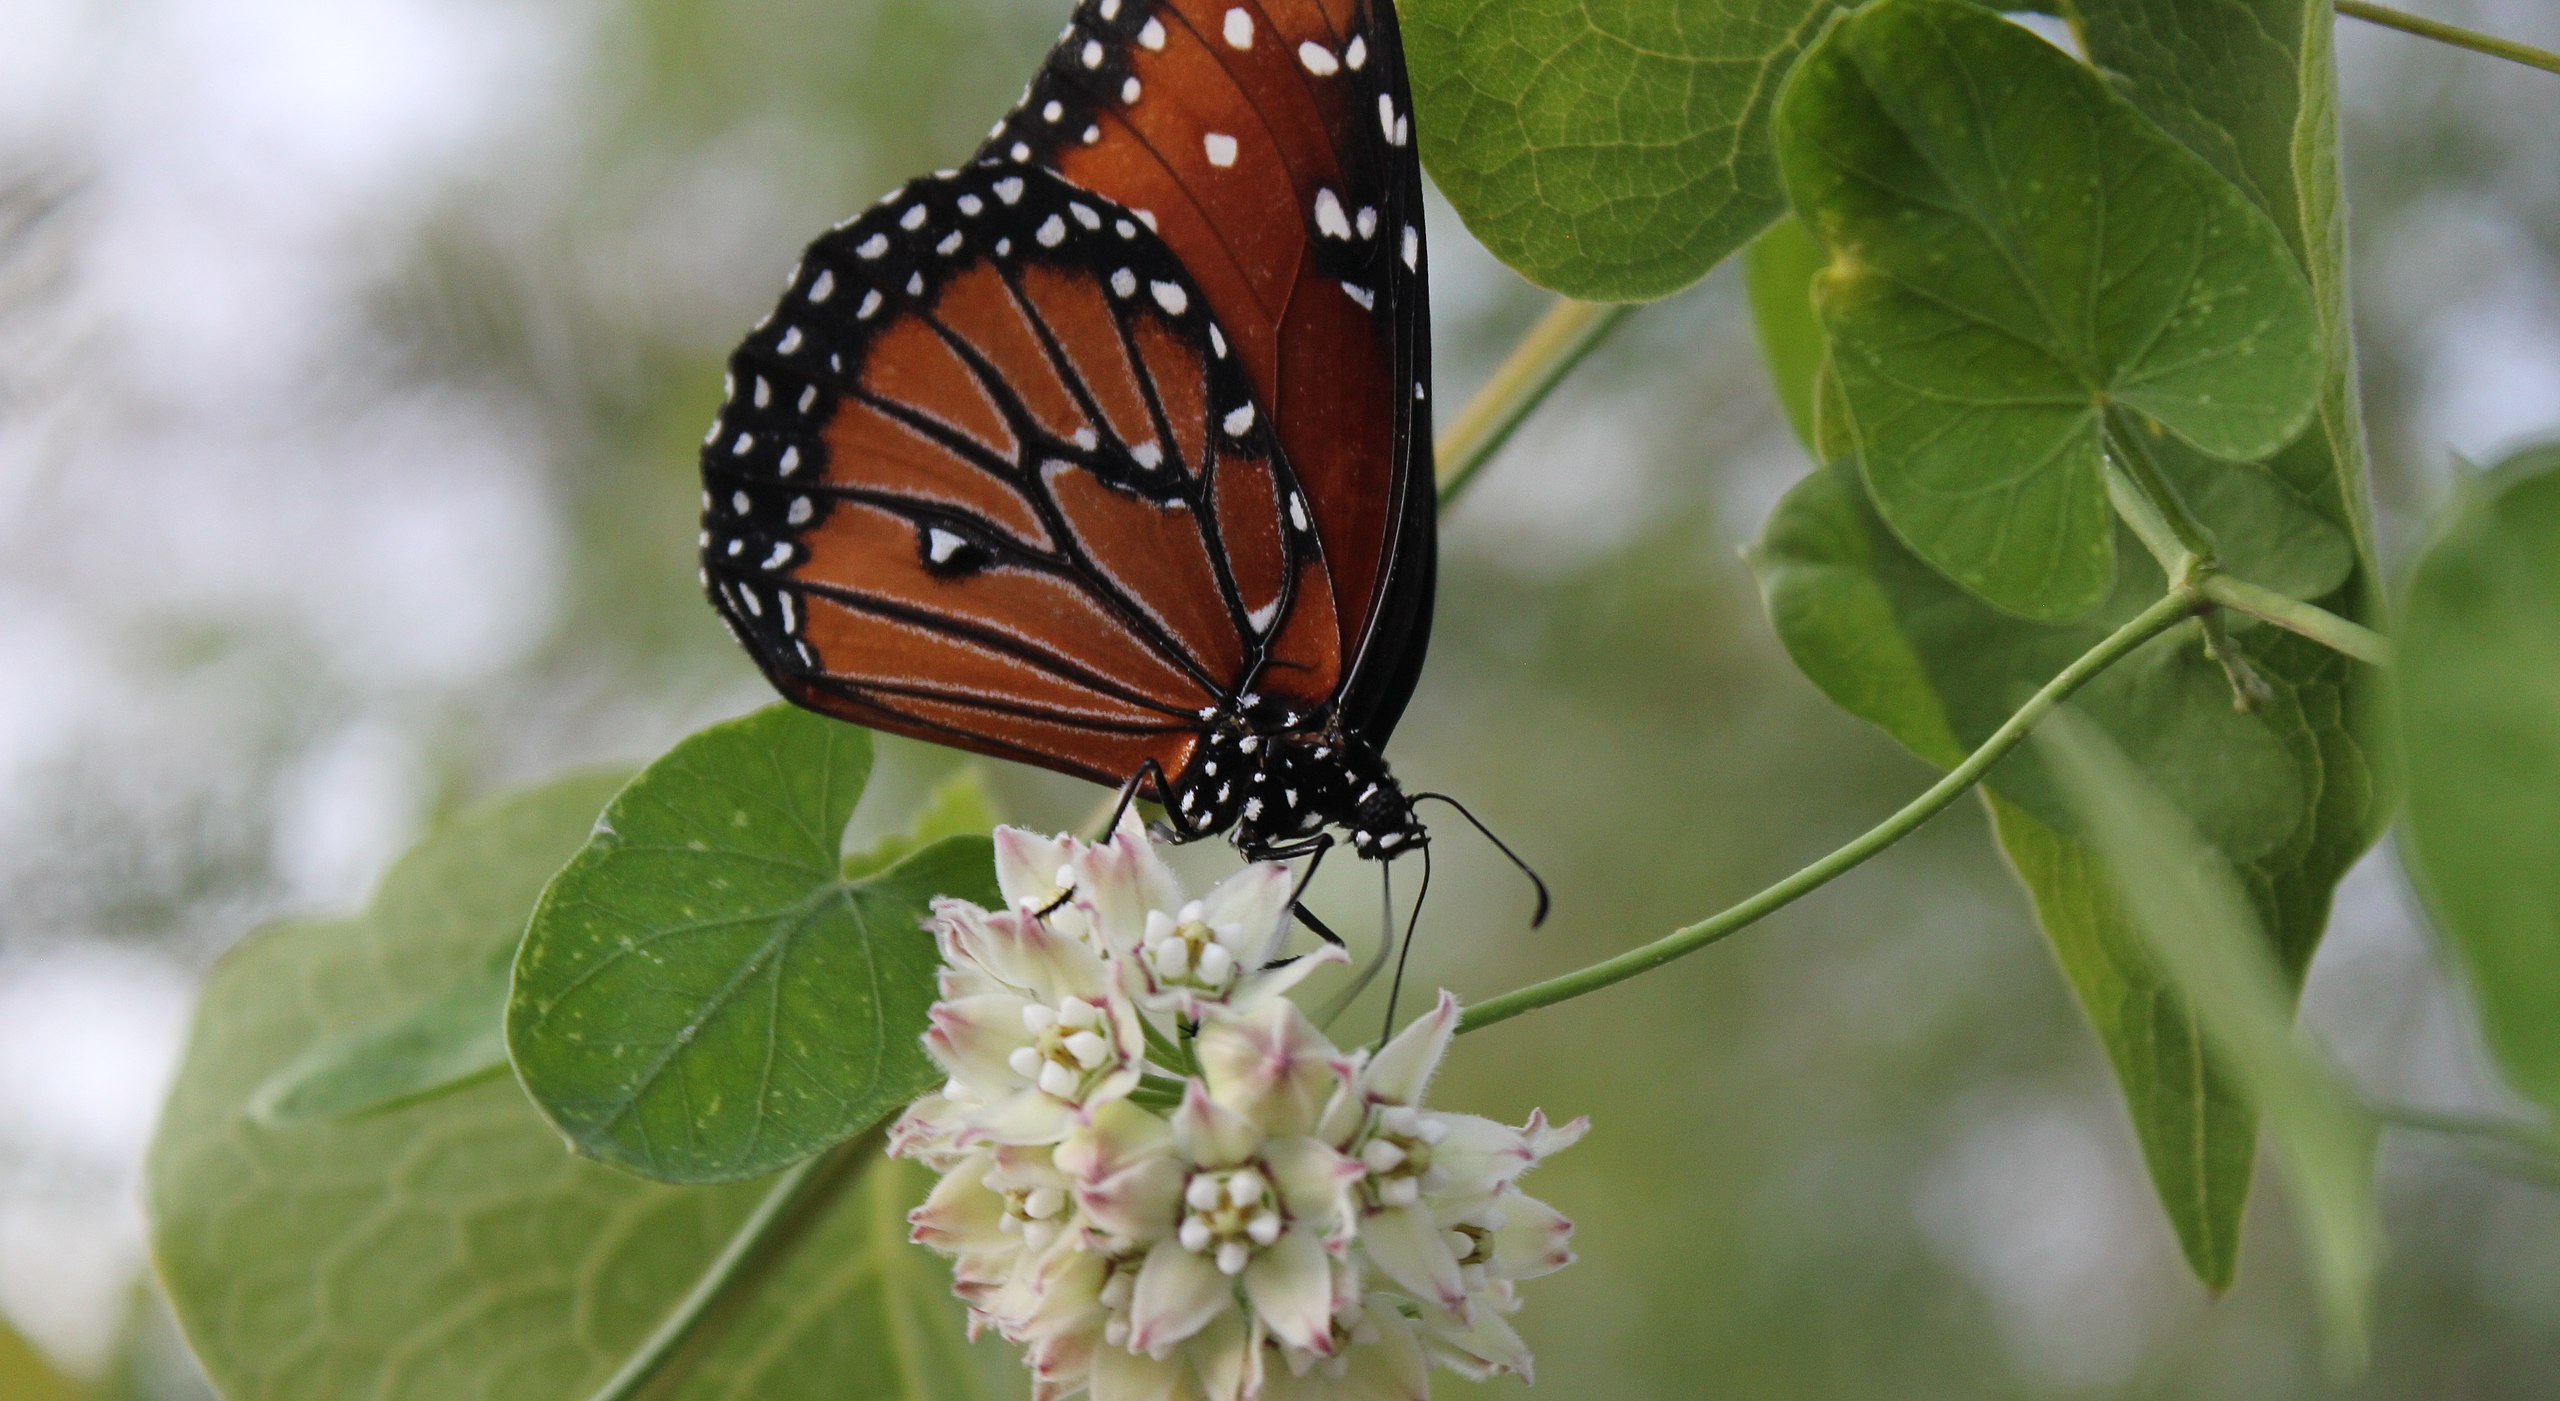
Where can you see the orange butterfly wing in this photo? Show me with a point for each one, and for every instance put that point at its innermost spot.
(1270, 143)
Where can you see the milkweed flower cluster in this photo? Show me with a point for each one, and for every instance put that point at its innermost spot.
(1163, 1181)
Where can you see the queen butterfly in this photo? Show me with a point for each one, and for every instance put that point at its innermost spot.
(1110, 452)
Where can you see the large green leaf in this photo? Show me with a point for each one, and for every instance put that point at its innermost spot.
(1889, 642)
(2199, 927)
(453, 1247)
(2014, 252)
(2480, 728)
(1613, 150)
(703, 996)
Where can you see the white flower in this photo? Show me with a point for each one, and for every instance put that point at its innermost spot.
(1033, 1025)
(1252, 1215)
(1441, 1210)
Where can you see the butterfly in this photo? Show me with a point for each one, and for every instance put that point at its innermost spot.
(1110, 451)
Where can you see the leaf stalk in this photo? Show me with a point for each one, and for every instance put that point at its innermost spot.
(1569, 331)
(2179, 604)
(2455, 35)
(795, 1201)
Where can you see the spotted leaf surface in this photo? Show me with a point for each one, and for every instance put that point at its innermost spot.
(2014, 250)
(702, 995)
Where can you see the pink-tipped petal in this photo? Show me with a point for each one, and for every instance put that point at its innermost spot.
(1256, 898)
(1316, 1185)
(1403, 1067)
(1290, 1284)
(1534, 1239)
(1408, 1247)
(1027, 866)
(1178, 1292)
(971, 1039)
(1210, 1134)
(1270, 1065)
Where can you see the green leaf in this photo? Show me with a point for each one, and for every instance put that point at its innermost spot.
(1892, 641)
(959, 806)
(2479, 675)
(450, 1042)
(2013, 249)
(2249, 85)
(703, 996)
(453, 1247)
(25, 1375)
(1778, 271)
(2197, 923)
(1612, 150)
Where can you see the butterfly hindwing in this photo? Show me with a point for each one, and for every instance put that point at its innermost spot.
(994, 475)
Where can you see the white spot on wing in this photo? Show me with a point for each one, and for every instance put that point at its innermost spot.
(824, 287)
(790, 340)
(1367, 299)
(1261, 618)
(1052, 232)
(1412, 247)
(873, 246)
(1356, 57)
(1220, 147)
(1329, 217)
(940, 545)
(1238, 420)
(802, 508)
(1093, 53)
(1171, 297)
(1318, 59)
(870, 305)
(1084, 215)
(1086, 439)
(1151, 34)
(914, 217)
(1009, 189)
(1147, 455)
(1124, 282)
(1239, 28)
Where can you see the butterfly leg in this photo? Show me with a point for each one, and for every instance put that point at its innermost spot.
(1150, 769)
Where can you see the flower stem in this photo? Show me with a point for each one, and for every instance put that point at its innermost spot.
(2178, 604)
(2443, 33)
(1569, 331)
(795, 1200)
(2294, 615)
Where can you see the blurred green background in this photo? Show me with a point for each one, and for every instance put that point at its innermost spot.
(352, 358)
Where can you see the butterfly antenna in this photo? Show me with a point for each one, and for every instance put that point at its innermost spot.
(1395, 989)
(1369, 972)
(1498, 844)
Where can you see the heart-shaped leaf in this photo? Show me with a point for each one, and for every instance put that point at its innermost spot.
(2197, 924)
(1613, 150)
(450, 1246)
(2480, 727)
(703, 996)
(2013, 251)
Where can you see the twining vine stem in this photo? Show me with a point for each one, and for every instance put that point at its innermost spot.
(2180, 603)
(2460, 38)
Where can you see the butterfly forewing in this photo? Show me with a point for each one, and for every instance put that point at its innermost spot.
(1270, 143)
(992, 476)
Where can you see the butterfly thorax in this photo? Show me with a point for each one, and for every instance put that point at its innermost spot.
(1273, 778)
